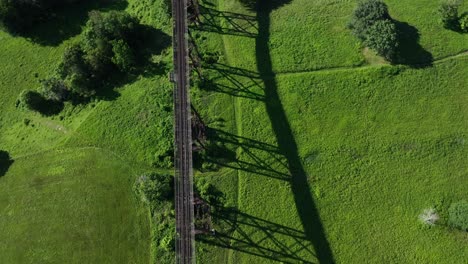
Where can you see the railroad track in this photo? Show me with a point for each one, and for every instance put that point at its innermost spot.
(185, 240)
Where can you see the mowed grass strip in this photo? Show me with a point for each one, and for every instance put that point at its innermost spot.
(71, 206)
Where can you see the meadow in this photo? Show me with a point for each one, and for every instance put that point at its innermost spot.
(336, 153)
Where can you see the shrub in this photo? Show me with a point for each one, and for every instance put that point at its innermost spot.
(429, 217)
(367, 14)
(458, 215)
(449, 13)
(54, 89)
(209, 193)
(153, 188)
(464, 22)
(383, 38)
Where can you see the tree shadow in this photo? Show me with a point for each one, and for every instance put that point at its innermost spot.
(227, 23)
(42, 105)
(67, 21)
(410, 52)
(5, 162)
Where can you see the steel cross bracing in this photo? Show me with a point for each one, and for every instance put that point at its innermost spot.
(185, 240)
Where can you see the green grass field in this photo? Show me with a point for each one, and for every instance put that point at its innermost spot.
(71, 206)
(336, 158)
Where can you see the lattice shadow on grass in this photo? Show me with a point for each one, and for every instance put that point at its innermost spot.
(255, 236)
(227, 23)
(233, 81)
(256, 157)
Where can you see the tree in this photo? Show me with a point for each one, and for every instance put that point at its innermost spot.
(383, 38)
(448, 11)
(458, 215)
(367, 14)
(123, 56)
(110, 40)
(75, 71)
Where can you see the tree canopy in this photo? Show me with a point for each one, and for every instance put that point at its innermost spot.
(367, 14)
(382, 37)
(372, 24)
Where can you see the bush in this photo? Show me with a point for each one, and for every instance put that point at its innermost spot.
(429, 217)
(383, 38)
(458, 215)
(464, 22)
(153, 188)
(54, 89)
(449, 13)
(367, 14)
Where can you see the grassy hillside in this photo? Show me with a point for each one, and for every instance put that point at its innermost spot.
(336, 157)
(67, 196)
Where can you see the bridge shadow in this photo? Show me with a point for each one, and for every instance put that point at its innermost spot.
(227, 23)
(232, 81)
(305, 204)
(254, 236)
(255, 157)
(267, 239)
